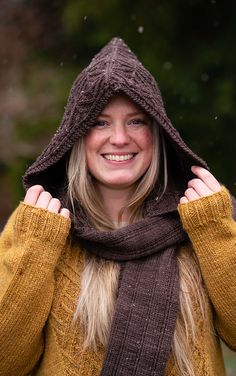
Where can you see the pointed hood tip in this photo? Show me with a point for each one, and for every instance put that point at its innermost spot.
(117, 41)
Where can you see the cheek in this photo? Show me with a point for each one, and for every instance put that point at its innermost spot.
(89, 149)
(91, 143)
(88, 140)
(146, 140)
(147, 144)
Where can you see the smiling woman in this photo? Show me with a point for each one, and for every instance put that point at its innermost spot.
(120, 260)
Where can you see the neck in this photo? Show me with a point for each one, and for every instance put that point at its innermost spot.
(114, 200)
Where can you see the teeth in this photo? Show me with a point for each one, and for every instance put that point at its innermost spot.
(112, 157)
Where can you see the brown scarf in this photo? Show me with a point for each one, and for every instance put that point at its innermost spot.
(148, 299)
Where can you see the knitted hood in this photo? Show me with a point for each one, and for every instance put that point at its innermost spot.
(114, 69)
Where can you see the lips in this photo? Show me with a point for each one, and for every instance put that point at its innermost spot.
(119, 157)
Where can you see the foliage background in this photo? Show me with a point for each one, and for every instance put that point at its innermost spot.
(188, 45)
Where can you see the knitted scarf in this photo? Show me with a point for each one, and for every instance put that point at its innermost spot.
(148, 297)
(147, 304)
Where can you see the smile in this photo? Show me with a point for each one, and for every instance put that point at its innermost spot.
(118, 158)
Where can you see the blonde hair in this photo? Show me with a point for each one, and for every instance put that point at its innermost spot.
(99, 282)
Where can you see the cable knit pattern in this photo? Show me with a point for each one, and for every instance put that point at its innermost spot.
(40, 283)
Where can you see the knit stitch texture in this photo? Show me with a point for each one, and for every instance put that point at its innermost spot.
(113, 70)
(40, 281)
(146, 249)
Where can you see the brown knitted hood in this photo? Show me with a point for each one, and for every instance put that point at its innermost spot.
(114, 69)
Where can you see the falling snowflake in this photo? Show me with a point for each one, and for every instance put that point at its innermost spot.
(167, 65)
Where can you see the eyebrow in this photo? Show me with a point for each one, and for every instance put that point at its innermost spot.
(130, 114)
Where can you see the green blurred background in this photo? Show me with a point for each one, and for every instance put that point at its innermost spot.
(187, 45)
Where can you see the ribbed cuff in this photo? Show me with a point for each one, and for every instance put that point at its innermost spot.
(32, 222)
(206, 209)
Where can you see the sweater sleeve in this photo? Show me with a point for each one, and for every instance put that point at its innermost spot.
(212, 231)
(30, 246)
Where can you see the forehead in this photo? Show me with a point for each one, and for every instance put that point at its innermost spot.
(121, 101)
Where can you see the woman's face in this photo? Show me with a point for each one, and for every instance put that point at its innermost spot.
(119, 146)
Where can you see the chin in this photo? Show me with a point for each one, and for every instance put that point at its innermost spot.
(120, 184)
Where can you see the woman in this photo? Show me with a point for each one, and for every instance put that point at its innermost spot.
(124, 290)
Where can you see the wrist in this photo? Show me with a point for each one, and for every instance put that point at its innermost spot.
(207, 209)
(33, 222)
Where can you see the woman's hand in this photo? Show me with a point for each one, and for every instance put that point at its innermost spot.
(37, 196)
(204, 184)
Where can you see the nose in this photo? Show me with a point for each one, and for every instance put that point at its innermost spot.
(119, 135)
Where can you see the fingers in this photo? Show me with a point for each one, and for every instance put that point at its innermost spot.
(183, 200)
(207, 178)
(54, 205)
(65, 213)
(32, 194)
(191, 194)
(43, 200)
(204, 185)
(38, 197)
(197, 189)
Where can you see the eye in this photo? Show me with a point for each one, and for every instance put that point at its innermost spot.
(137, 122)
(100, 123)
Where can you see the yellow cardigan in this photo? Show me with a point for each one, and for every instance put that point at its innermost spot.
(40, 281)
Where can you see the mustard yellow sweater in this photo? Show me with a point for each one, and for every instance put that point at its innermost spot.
(40, 281)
